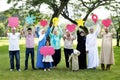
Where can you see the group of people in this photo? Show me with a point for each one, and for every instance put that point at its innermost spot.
(86, 45)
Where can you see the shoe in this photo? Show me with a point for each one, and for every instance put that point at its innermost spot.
(25, 69)
(19, 70)
(44, 69)
(48, 69)
(11, 69)
(34, 68)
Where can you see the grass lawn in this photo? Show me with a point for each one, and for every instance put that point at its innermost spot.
(60, 73)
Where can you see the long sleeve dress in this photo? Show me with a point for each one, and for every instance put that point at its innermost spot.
(91, 47)
(81, 47)
(39, 63)
(55, 42)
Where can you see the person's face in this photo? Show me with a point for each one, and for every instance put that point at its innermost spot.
(47, 43)
(13, 31)
(82, 34)
(91, 30)
(55, 32)
(43, 32)
(29, 31)
(68, 34)
(106, 30)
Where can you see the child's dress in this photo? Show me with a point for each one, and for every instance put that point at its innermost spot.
(46, 61)
(73, 60)
(47, 58)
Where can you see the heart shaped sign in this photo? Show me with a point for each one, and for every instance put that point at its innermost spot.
(106, 22)
(70, 27)
(47, 50)
(43, 23)
(94, 18)
(13, 22)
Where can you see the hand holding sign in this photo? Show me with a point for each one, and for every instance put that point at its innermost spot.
(94, 18)
(43, 23)
(80, 22)
(55, 21)
(106, 22)
(70, 27)
(47, 50)
(13, 22)
(30, 19)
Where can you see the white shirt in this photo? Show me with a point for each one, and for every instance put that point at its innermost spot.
(47, 58)
(13, 41)
(68, 42)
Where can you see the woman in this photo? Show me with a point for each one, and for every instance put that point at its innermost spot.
(55, 39)
(81, 39)
(107, 52)
(42, 40)
(68, 46)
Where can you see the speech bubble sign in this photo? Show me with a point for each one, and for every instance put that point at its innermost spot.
(70, 27)
(13, 22)
(55, 21)
(47, 50)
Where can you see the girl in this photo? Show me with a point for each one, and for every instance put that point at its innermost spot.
(47, 59)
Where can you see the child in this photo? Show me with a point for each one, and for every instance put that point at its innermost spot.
(47, 59)
(73, 60)
(29, 47)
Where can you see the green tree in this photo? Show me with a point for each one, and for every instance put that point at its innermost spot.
(2, 28)
(60, 7)
(115, 15)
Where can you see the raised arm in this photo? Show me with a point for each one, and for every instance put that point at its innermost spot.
(98, 29)
(113, 31)
(6, 32)
(48, 31)
(37, 31)
(60, 32)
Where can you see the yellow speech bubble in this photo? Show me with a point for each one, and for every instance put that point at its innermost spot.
(55, 21)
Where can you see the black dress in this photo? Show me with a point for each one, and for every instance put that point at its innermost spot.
(81, 47)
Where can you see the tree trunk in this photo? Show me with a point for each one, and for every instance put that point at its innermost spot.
(117, 39)
(118, 36)
(57, 11)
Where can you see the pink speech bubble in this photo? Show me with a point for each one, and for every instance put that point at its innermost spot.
(106, 22)
(43, 23)
(94, 18)
(70, 27)
(47, 50)
(13, 22)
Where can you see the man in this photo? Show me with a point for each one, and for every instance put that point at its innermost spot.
(14, 50)
(68, 45)
(107, 55)
(29, 47)
(91, 48)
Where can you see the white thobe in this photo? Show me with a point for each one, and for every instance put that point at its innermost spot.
(91, 47)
